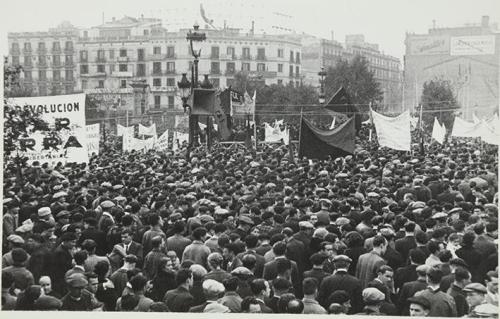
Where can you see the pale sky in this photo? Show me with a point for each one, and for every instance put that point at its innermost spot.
(384, 22)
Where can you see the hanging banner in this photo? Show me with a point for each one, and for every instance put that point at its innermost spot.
(393, 132)
(120, 130)
(182, 123)
(131, 143)
(162, 142)
(148, 131)
(66, 115)
(462, 128)
(93, 137)
(275, 134)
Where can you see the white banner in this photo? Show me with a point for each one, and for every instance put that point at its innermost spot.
(438, 132)
(275, 134)
(393, 132)
(490, 131)
(148, 131)
(162, 142)
(65, 113)
(120, 130)
(93, 137)
(462, 128)
(473, 45)
(131, 143)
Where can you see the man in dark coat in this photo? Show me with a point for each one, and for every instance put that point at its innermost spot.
(295, 249)
(271, 268)
(405, 244)
(410, 288)
(179, 299)
(98, 236)
(409, 273)
(341, 280)
(62, 262)
(317, 271)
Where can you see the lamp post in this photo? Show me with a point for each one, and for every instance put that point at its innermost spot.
(185, 91)
(195, 38)
(322, 75)
(207, 85)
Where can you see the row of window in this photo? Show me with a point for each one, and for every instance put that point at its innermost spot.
(42, 75)
(56, 45)
(42, 60)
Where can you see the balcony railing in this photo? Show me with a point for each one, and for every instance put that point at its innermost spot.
(163, 89)
(171, 56)
(42, 65)
(69, 64)
(214, 56)
(56, 51)
(69, 50)
(122, 59)
(214, 71)
(27, 66)
(158, 56)
(168, 72)
(261, 58)
(41, 51)
(230, 72)
(27, 51)
(100, 59)
(15, 51)
(157, 72)
(246, 57)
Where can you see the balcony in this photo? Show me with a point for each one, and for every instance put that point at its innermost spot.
(214, 56)
(215, 71)
(56, 51)
(41, 51)
(42, 65)
(56, 65)
(157, 72)
(157, 56)
(230, 72)
(122, 59)
(163, 89)
(28, 66)
(246, 57)
(228, 57)
(123, 74)
(171, 56)
(15, 51)
(170, 72)
(261, 58)
(27, 51)
(69, 64)
(100, 59)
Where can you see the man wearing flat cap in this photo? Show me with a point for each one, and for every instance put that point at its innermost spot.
(245, 224)
(341, 280)
(62, 261)
(77, 299)
(475, 296)
(419, 307)
(373, 299)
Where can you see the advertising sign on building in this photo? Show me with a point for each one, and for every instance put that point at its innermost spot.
(67, 142)
(473, 45)
(429, 45)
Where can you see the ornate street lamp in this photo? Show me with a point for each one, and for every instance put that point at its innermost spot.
(185, 91)
(322, 96)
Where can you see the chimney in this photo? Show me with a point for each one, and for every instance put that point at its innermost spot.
(253, 27)
(485, 21)
(114, 19)
(332, 36)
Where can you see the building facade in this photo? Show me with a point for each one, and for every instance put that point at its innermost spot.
(48, 59)
(386, 69)
(109, 58)
(468, 57)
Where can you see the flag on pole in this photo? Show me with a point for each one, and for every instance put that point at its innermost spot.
(220, 117)
(438, 131)
(462, 128)
(162, 142)
(475, 119)
(124, 130)
(393, 132)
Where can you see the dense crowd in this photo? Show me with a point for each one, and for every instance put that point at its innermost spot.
(380, 232)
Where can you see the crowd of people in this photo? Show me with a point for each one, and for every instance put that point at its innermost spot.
(379, 232)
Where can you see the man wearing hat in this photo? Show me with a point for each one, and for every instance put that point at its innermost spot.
(245, 224)
(62, 261)
(475, 296)
(410, 288)
(14, 241)
(419, 307)
(373, 299)
(10, 217)
(23, 278)
(341, 280)
(77, 299)
(213, 290)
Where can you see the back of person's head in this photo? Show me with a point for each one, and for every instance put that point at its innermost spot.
(317, 259)
(199, 232)
(231, 283)
(281, 285)
(434, 275)
(445, 256)
(247, 301)
(156, 241)
(249, 261)
(101, 268)
(410, 227)
(89, 245)
(461, 274)
(282, 265)
(468, 239)
(129, 302)
(283, 302)
(310, 286)
(198, 272)
(154, 219)
(379, 240)
(251, 241)
(417, 256)
(80, 257)
(433, 246)
(279, 248)
(182, 276)
(138, 282)
(257, 286)
(179, 226)
(295, 306)
(479, 228)
(421, 237)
